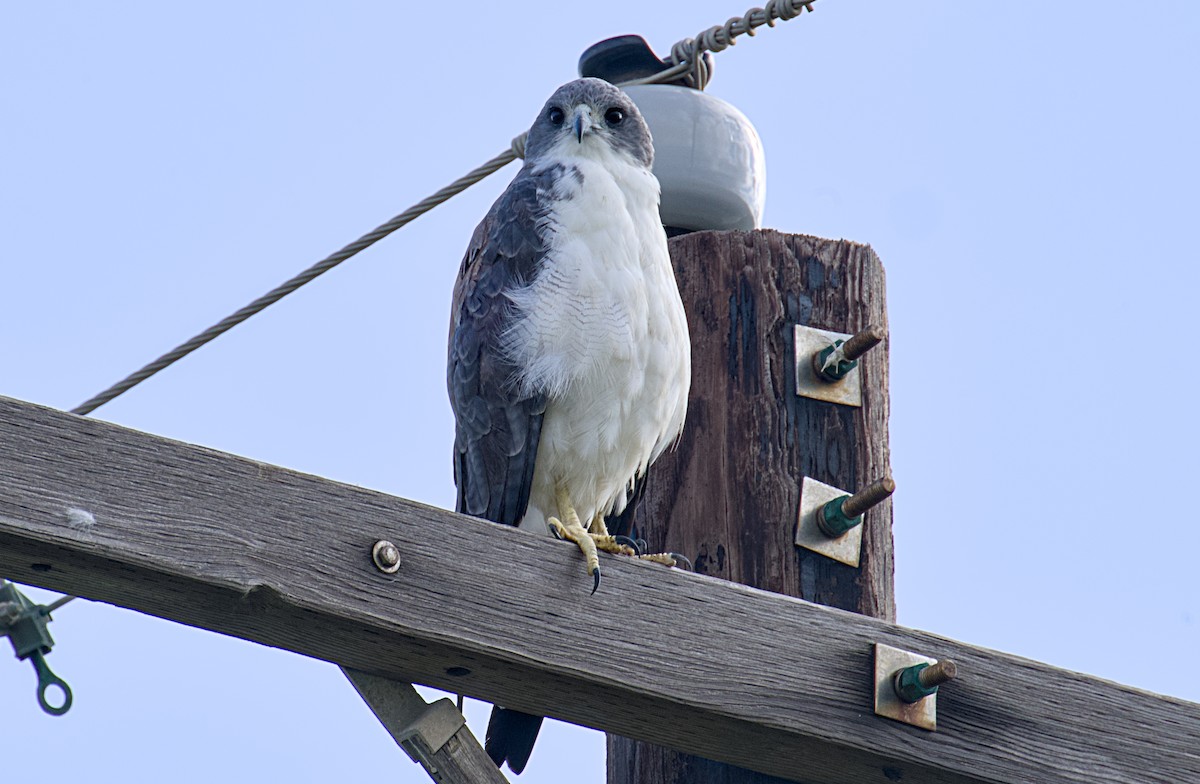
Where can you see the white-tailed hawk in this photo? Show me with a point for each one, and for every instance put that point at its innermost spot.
(569, 358)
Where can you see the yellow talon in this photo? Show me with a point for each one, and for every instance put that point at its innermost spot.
(573, 530)
(609, 544)
(595, 537)
(659, 558)
(560, 530)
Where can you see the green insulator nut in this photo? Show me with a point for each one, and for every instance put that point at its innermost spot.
(908, 684)
(832, 519)
(836, 371)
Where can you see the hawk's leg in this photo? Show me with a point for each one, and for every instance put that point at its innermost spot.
(595, 537)
(598, 527)
(606, 541)
(571, 529)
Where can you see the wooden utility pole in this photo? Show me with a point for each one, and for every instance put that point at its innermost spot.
(728, 496)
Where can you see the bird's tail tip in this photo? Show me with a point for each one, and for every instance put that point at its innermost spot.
(510, 737)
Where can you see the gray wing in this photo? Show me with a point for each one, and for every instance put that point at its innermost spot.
(497, 427)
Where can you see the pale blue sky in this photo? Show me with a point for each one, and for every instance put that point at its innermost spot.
(1027, 173)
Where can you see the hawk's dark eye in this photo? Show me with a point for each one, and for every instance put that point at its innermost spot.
(614, 116)
(556, 116)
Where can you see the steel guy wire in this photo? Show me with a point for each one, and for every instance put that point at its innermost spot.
(689, 63)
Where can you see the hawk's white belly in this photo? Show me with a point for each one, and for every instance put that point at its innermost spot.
(602, 330)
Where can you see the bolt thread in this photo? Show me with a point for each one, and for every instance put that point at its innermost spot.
(871, 495)
(863, 342)
(937, 674)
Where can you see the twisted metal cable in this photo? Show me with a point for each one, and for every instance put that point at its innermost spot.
(690, 58)
(691, 61)
(320, 268)
(692, 51)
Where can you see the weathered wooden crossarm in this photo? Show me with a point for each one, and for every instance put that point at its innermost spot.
(283, 558)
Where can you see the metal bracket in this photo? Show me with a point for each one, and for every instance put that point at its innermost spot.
(433, 729)
(419, 727)
(435, 736)
(808, 341)
(888, 662)
(25, 625)
(845, 548)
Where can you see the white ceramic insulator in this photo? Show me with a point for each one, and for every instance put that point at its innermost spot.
(707, 157)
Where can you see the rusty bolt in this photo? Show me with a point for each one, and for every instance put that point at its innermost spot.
(841, 514)
(938, 673)
(871, 495)
(863, 342)
(386, 556)
(913, 684)
(836, 361)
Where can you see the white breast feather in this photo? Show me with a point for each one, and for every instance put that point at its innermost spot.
(602, 330)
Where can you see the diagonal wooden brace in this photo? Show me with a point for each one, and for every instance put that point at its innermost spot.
(435, 735)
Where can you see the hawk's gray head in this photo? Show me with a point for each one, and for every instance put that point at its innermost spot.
(587, 112)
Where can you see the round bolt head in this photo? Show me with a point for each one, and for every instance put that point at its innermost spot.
(386, 556)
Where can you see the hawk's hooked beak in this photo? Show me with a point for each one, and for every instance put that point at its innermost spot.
(583, 121)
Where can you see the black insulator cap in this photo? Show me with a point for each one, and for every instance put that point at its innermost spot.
(621, 59)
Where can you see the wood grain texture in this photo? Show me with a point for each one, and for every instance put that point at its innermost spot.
(781, 686)
(463, 761)
(728, 496)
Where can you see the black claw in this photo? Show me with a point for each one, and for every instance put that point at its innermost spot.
(632, 543)
(554, 532)
(682, 559)
(596, 584)
(642, 546)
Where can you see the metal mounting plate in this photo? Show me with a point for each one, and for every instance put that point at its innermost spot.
(847, 547)
(888, 661)
(809, 341)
